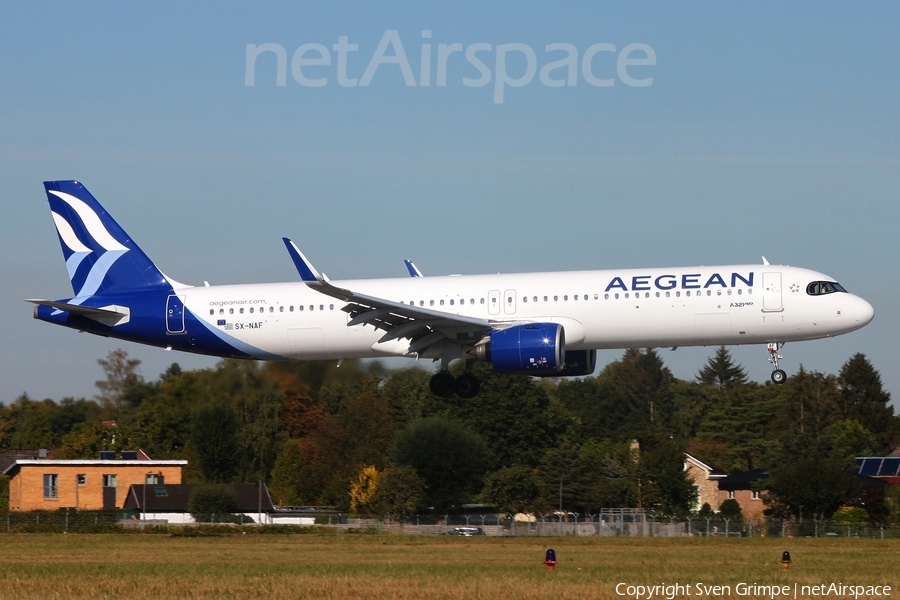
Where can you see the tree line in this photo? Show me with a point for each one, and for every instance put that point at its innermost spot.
(369, 441)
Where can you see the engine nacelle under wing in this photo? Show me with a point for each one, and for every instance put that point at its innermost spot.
(532, 349)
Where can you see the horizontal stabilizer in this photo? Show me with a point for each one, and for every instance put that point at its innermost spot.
(108, 315)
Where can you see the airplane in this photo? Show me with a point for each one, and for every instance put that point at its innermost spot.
(538, 324)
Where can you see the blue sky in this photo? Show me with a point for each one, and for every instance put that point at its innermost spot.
(768, 130)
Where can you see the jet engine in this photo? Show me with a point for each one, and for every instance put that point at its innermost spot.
(531, 349)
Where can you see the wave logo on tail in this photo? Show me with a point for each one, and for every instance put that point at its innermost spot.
(101, 246)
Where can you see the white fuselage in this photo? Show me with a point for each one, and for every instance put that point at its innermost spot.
(695, 306)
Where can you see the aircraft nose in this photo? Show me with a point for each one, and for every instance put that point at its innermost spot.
(863, 311)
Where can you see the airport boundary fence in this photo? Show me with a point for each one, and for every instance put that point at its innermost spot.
(607, 523)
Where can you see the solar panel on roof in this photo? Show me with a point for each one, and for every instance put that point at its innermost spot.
(890, 467)
(870, 467)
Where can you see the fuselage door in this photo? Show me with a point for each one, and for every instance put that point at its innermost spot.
(509, 302)
(175, 314)
(772, 292)
(494, 302)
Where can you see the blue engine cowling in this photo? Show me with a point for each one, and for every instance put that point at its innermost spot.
(533, 349)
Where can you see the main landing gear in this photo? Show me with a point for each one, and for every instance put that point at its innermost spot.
(778, 376)
(444, 385)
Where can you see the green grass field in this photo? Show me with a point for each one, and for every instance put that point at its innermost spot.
(369, 566)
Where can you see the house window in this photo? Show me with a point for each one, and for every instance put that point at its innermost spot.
(154, 479)
(731, 494)
(754, 495)
(81, 479)
(51, 486)
(110, 481)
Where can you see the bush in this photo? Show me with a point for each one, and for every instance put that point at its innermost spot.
(4, 494)
(849, 515)
(213, 501)
(730, 509)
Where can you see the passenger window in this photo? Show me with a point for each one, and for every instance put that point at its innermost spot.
(431, 303)
(524, 298)
(482, 300)
(221, 311)
(442, 302)
(688, 293)
(241, 310)
(556, 298)
(472, 301)
(709, 292)
(251, 310)
(626, 294)
(596, 296)
(312, 307)
(729, 291)
(212, 311)
(606, 296)
(566, 297)
(300, 308)
(545, 298)
(281, 309)
(331, 306)
(668, 294)
(678, 294)
(740, 291)
(718, 292)
(617, 296)
(657, 294)
(321, 307)
(451, 302)
(291, 308)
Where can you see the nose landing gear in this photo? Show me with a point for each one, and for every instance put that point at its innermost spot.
(778, 376)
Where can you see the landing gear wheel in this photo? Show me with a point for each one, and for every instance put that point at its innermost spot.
(442, 384)
(467, 386)
(779, 376)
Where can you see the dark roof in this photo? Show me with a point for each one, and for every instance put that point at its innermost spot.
(743, 481)
(8, 457)
(176, 497)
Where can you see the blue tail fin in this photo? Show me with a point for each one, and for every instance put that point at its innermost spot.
(100, 256)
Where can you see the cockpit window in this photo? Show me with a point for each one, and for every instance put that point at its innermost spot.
(819, 288)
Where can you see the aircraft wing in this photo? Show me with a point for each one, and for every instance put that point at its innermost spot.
(422, 326)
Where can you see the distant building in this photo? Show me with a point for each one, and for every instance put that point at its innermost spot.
(48, 484)
(165, 502)
(8, 457)
(886, 468)
(705, 480)
(742, 487)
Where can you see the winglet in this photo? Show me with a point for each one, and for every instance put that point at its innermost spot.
(307, 272)
(413, 269)
(765, 262)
